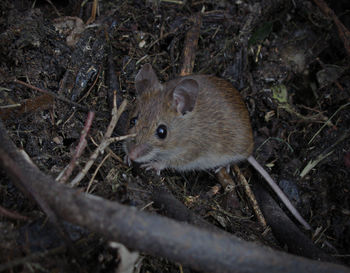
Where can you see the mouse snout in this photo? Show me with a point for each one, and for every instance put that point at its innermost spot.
(138, 152)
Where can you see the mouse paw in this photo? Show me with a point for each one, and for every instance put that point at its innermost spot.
(217, 170)
(127, 160)
(153, 165)
(228, 169)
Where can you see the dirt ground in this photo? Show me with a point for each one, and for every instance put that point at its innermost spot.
(286, 58)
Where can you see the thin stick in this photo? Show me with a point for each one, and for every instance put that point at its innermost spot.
(54, 8)
(13, 215)
(173, 1)
(106, 141)
(80, 148)
(92, 86)
(191, 44)
(96, 171)
(328, 121)
(115, 115)
(327, 152)
(250, 196)
(93, 13)
(51, 94)
(94, 155)
(313, 163)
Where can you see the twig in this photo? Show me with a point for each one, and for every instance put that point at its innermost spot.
(116, 157)
(41, 102)
(12, 214)
(91, 87)
(116, 113)
(96, 171)
(312, 163)
(325, 154)
(105, 143)
(173, 1)
(278, 139)
(80, 148)
(51, 94)
(157, 41)
(250, 196)
(213, 191)
(54, 8)
(191, 44)
(328, 121)
(93, 12)
(114, 86)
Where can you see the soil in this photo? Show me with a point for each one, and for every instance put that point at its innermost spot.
(291, 68)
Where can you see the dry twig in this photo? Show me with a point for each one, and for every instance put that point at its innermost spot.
(11, 214)
(250, 196)
(52, 94)
(80, 148)
(37, 103)
(191, 44)
(106, 141)
(313, 163)
(96, 171)
(93, 12)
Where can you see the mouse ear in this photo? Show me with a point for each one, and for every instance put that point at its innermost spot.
(145, 79)
(185, 95)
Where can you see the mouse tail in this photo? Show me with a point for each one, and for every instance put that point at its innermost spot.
(279, 192)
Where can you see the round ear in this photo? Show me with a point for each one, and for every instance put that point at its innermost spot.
(185, 96)
(146, 79)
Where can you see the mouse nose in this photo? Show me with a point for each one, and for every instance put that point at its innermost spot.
(132, 154)
(138, 151)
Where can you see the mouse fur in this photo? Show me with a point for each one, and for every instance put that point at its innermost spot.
(206, 120)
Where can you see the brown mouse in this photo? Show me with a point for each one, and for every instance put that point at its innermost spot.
(195, 122)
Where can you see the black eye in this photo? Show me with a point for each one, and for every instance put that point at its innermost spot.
(161, 131)
(133, 122)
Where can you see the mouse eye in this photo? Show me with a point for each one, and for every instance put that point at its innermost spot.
(133, 122)
(161, 131)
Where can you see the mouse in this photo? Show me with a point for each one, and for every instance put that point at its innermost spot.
(193, 122)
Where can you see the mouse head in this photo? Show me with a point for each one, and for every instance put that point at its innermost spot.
(160, 117)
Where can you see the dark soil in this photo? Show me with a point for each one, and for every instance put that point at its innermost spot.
(291, 68)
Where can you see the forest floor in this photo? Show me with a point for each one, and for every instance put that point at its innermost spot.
(286, 58)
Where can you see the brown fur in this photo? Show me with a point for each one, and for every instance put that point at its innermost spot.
(218, 127)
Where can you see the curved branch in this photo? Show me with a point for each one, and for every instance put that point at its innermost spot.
(156, 235)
